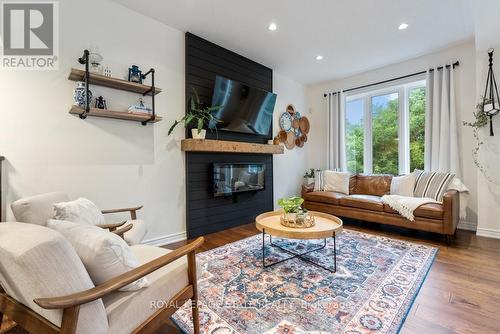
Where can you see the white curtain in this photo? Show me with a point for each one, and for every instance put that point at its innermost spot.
(441, 123)
(336, 158)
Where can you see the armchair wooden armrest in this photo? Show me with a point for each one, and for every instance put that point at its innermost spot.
(122, 230)
(87, 296)
(133, 211)
(112, 226)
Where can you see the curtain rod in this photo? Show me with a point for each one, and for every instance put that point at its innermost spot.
(455, 64)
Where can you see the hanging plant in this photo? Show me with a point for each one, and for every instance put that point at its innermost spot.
(481, 120)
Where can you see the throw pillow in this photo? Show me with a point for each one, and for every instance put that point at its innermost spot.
(431, 184)
(104, 254)
(79, 211)
(336, 181)
(319, 182)
(403, 185)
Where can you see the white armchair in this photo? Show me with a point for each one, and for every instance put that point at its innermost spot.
(45, 288)
(39, 208)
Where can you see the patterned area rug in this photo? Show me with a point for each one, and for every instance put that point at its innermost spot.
(376, 281)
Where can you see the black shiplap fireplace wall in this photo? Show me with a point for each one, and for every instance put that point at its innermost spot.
(204, 212)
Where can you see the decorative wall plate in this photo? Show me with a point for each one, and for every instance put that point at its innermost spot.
(282, 136)
(286, 121)
(290, 109)
(296, 124)
(290, 140)
(304, 125)
(299, 142)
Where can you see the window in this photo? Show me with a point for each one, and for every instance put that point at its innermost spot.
(354, 132)
(385, 129)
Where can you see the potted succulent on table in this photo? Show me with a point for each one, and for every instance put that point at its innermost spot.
(198, 114)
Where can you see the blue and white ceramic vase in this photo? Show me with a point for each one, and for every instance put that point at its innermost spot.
(79, 94)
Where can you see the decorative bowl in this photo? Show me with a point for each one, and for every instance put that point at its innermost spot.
(297, 220)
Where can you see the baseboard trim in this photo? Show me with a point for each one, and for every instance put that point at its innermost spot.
(166, 239)
(488, 232)
(465, 225)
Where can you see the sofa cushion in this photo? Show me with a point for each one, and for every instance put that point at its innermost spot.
(429, 210)
(403, 185)
(127, 310)
(377, 185)
(328, 197)
(37, 209)
(431, 184)
(367, 202)
(137, 233)
(39, 262)
(104, 254)
(80, 210)
(336, 181)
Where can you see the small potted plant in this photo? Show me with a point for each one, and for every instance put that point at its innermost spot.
(309, 176)
(198, 114)
(293, 213)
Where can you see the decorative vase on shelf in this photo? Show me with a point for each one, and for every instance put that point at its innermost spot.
(200, 135)
(79, 95)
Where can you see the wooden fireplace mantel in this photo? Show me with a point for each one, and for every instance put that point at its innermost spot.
(208, 145)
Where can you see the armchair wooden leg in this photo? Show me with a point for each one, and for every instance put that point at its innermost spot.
(70, 320)
(194, 282)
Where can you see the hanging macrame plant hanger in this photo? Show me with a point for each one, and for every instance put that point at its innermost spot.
(491, 99)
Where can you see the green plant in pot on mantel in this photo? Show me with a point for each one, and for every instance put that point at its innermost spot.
(198, 114)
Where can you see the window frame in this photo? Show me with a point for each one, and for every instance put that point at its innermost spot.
(403, 91)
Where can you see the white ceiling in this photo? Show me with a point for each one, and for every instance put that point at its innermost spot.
(352, 35)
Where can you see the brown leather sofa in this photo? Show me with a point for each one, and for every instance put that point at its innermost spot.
(364, 203)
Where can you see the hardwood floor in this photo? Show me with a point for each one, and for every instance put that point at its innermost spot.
(461, 293)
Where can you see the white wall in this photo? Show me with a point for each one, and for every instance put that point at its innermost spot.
(115, 163)
(290, 166)
(487, 31)
(466, 100)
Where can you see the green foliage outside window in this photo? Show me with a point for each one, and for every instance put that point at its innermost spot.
(417, 127)
(385, 142)
(385, 126)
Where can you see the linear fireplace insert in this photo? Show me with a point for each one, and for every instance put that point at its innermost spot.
(231, 178)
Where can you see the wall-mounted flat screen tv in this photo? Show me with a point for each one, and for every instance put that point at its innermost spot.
(244, 109)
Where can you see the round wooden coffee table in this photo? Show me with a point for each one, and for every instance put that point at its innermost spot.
(327, 226)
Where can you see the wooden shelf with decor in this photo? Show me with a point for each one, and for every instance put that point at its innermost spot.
(208, 145)
(110, 82)
(120, 84)
(123, 115)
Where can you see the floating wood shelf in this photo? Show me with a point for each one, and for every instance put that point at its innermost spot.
(75, 110)
(102, 80)
(207, 145)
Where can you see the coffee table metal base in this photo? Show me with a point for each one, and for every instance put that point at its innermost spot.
(298, 255)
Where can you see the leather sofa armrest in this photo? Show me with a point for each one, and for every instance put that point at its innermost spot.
(451, 207)
(306, 189)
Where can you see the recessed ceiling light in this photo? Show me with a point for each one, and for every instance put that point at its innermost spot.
(319, 57)
(272, 27)
(403, 26)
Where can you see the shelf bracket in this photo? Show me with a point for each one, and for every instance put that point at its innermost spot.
(152, 90)
(85, 60)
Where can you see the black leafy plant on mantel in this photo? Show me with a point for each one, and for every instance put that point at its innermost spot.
(481, 120)
(199, 114)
